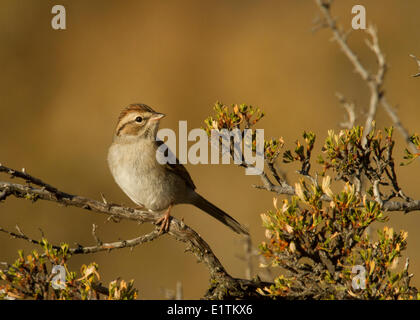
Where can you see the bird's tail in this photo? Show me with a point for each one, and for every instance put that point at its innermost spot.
(219, 214)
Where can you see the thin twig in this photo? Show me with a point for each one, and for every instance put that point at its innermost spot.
(92, 249)
(418, 65)
(350, 109)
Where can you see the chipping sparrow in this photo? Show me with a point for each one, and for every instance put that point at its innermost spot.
(132, 159)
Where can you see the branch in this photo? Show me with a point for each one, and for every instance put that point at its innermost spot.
(223, 285)
(92, 249)
(404, 206)
(397, 206)
(374, 82)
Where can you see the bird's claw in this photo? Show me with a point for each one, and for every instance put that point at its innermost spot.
(164, 221)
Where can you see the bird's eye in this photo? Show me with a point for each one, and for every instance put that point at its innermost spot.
(139, 119)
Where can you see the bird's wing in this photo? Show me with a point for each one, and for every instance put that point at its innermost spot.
(177, 168)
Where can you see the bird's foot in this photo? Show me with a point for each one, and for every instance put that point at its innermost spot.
(165, 221)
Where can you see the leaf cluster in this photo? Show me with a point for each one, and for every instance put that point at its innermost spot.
(31, 277)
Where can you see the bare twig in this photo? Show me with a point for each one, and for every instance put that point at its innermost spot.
(374, 81)
(22, 236)
(350, 109)
(23, 175)
(92, 249)
(117, 244)
(418, 65)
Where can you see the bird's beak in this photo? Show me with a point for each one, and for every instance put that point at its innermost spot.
(157, 116)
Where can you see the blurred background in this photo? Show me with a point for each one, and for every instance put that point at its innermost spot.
(61, 93)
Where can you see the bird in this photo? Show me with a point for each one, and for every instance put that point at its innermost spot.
(133, 162)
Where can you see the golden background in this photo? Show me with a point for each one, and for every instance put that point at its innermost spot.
(61, 93)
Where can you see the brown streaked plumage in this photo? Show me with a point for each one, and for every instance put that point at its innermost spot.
(135, 107)
(133, 161)
(127, 124)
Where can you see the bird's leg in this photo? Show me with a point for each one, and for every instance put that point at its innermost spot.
(165, 220)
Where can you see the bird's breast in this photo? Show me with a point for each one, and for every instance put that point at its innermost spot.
(138, 173)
